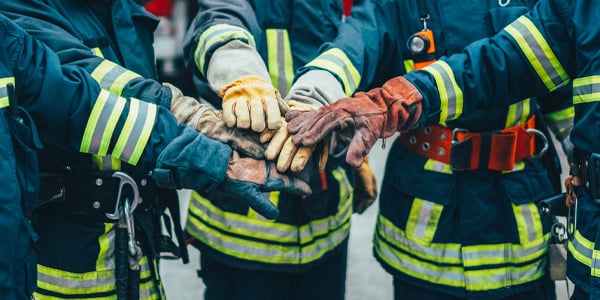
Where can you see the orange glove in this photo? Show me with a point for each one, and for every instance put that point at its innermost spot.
(252, 102)
(378, 113)
(365, 190)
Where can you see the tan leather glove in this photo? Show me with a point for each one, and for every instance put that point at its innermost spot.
(365, 189)
(210, 122)
(281, 148)
(252, 102)
(378, 113)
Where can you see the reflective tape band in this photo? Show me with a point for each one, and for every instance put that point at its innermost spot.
(586, 89)
(280, 62)
(538, 53)
(337, 62)
(216, 35)
(113, 77)
(136, 131)
(518, 113)
(102, 123)
(451, 96)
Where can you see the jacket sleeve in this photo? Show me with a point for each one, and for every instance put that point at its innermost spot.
(364, 47)
(72, 111)
(217, 23)
(45, 24)
(530, 57)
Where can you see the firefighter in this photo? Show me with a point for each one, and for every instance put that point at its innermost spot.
(458, 215)
(79, 196)
(30, 72)
(244, 55)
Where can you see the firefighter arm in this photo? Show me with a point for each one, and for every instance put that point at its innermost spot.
(47, 25)
(501, 70)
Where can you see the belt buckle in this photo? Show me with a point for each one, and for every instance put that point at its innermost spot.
(593, 172)
(455, 131)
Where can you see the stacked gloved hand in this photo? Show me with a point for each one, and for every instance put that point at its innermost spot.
(206, 120)
(378, 113)
(193, 161)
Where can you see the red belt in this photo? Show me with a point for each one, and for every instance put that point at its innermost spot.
(464, 150)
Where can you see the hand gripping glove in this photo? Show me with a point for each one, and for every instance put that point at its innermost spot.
(252, 102)
(193, 161)
(189, 111)
(378, 113)
(365, 189)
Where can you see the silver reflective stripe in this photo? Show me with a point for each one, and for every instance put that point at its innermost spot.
(136, 131)
(586, 89)
(538, 52)
(451, 96)
(217, 34)
(101, 123)
(518, 113)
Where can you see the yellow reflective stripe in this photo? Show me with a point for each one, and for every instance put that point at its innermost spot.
(218, 34)
(203, 209)
(538, 53)
(581, 248)
(113, 77)
(101, 123)
(423, 219)
(325, 244)
(451, 96)
(106, 162)
(490, 279)
(337, 62)
(279, 58)
(448, 253)
(529, 223)
(4, 82)
(409, 65)
(519, 166)
(106, 243)
(97, 52)
(518, 113)
(437, 166)
(586, 89)
(68, 283)
(449, 275)
(562, 120)
(505, 253)
(136, 131)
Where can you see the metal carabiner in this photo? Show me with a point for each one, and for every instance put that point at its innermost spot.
(503, 3)
(544, 139)
(135, 252)
(124, 179)
(572, 219)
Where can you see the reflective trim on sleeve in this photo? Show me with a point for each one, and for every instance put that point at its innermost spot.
(451, 96)
(113, 77)
(136, 131)
(586, 89)
(4, 82)
(337, 62)
(583, 250)
(102, 123)
(518, 113)
(538, 53)
(97, 52)
(217, 34)
(280, 62)
(437, 166)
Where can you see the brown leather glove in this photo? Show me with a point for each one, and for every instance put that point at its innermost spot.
(378, 113)
(365, 189)
(281, 148)
(251, 102)
(210, 122)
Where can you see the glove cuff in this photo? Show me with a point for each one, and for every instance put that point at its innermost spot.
(244, 80)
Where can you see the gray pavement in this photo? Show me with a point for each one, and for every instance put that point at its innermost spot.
(366, 280)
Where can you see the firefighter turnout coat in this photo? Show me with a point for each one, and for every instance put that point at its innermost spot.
(555, 44)
(460, 230)
(307, 231)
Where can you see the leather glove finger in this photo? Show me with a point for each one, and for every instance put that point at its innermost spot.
(259, 111)
(250, 194)
(292, 157)
(362, 142)
(286, 183)
(365, 190)
(310, 127)
(276, 142)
